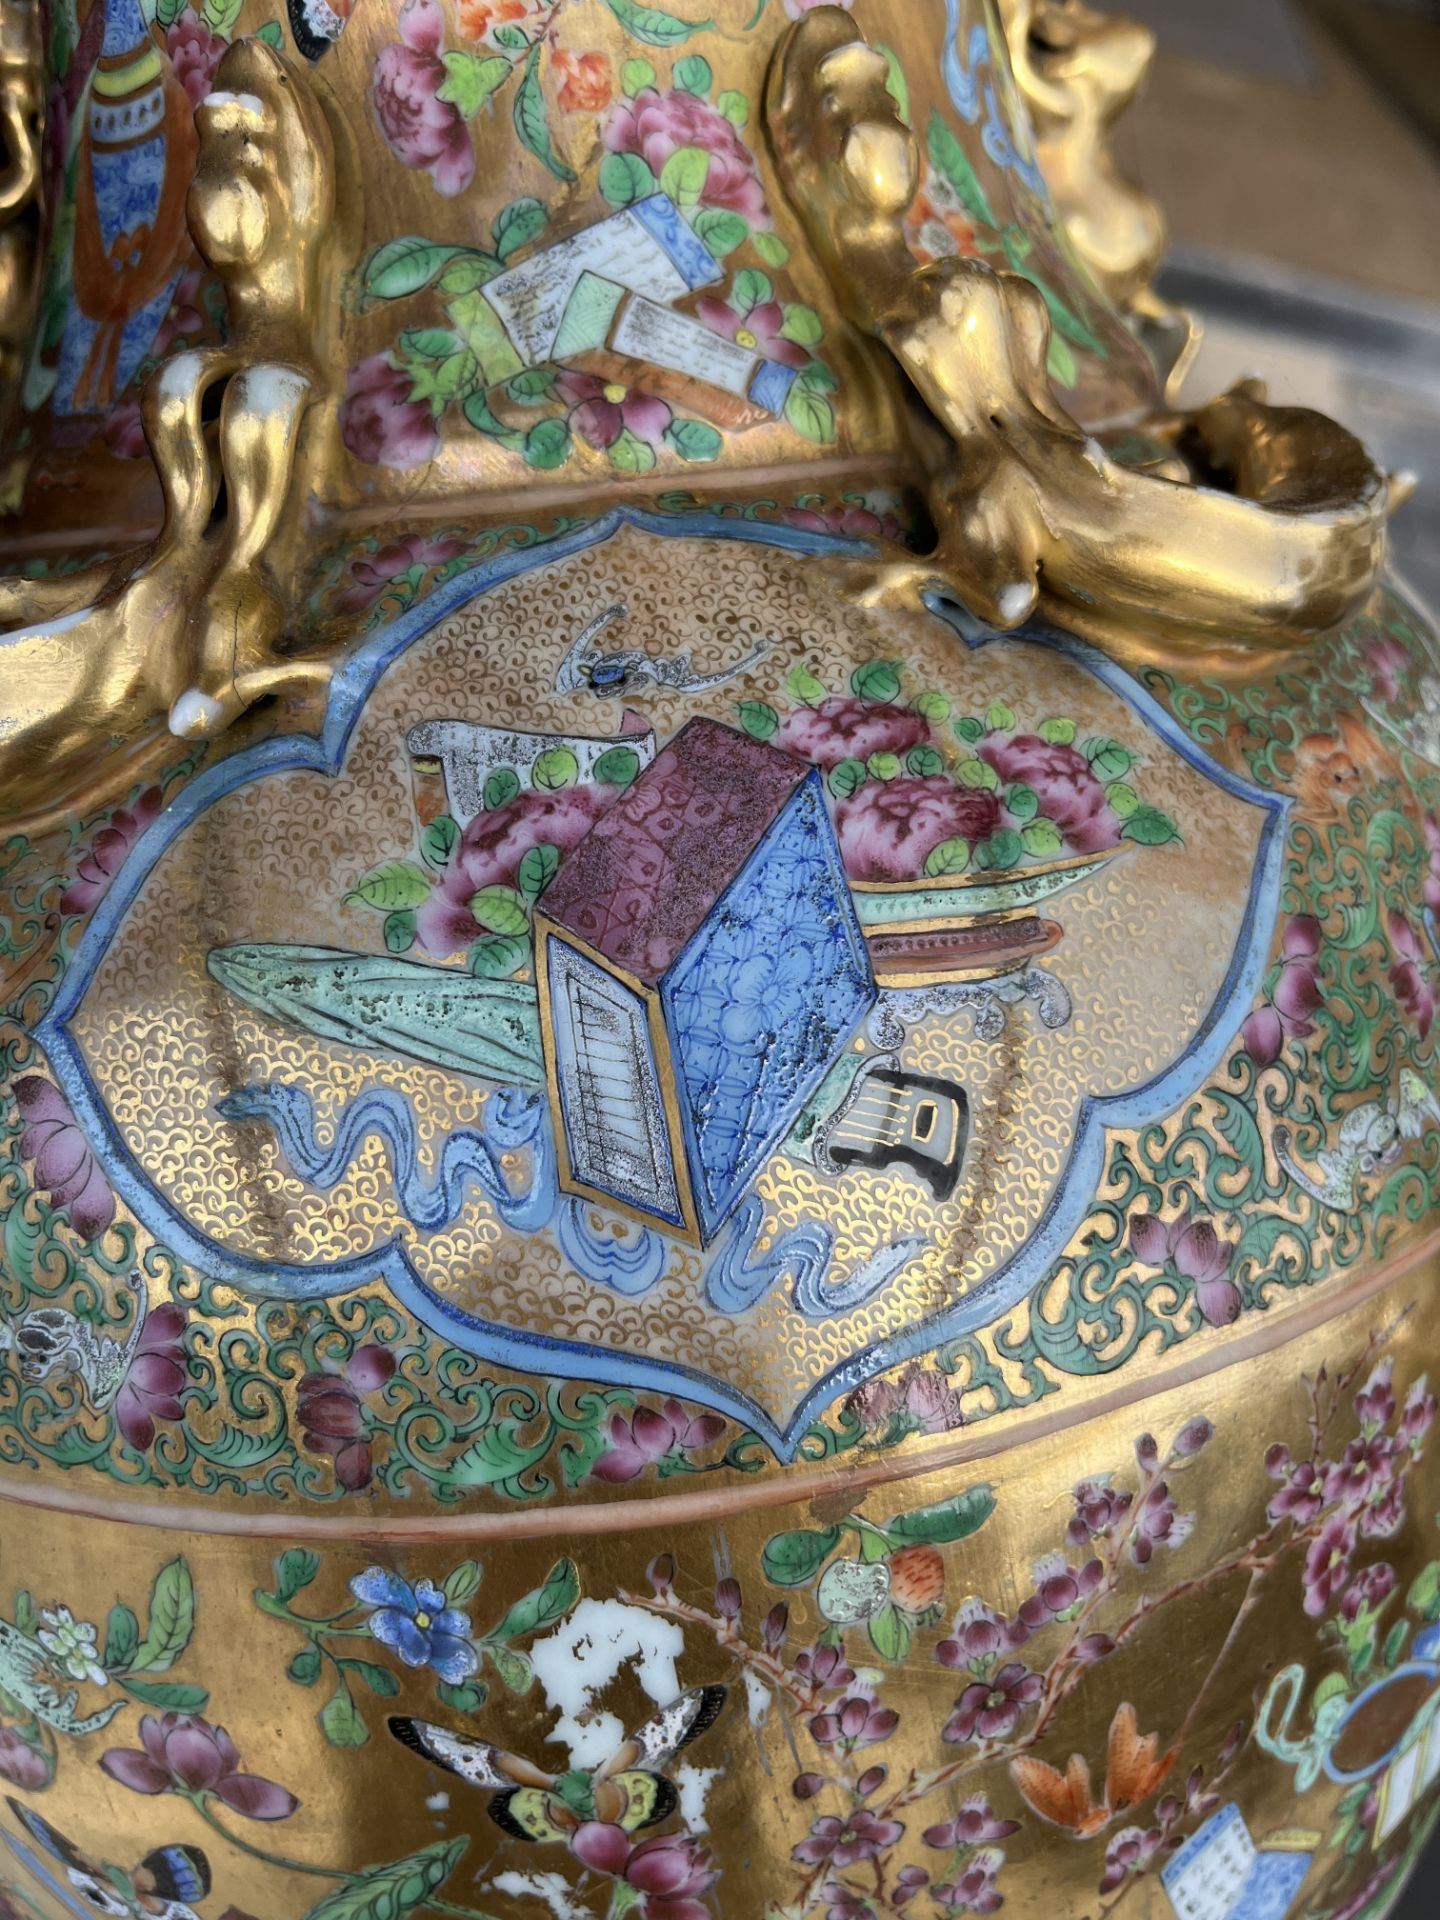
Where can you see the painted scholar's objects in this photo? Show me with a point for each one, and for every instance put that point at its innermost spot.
(719, 1143)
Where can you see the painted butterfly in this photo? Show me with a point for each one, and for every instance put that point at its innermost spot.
(1134, 1769)
(627, 1791)
(161, 1887)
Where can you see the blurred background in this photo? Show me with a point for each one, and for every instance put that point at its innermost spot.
(1295, 148)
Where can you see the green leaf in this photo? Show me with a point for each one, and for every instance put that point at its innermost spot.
(294, 1571)
(1108, 759)
(547, 444)
(22, 1239)
(492, 1459)
(470, 79)
(950, 160)
(439, 840)
(390, 1893)
(630, 454)
(751, 289)
(1332, 1684)
(272, 34)
(167, 12)
(1021, 801)
(513, 1668)
(517, 225)
(635, 76)
(480, 327)
(876, 680)
(399, 932)
(924, 762)
(497, 956)
(953, 1519)
(684, 174)
(507, 34)
(27, 1614)
(951, 856)
(1148, 827)
(736, 109)
(794, 1559)
(1122, 799)
(170, 1696)
(890, 1633)
(477, 412)
(999, 718)
(380, 1680)
(655, 28)
(1236, 1124)
(803, 684)
(694, 439)
(1041, 839)
(537, 870)
(1424, 1595)
(402, 267)
(847, 778)
(462, 1583)
(625, 178)
(467, 1698)
(1002, 852)
(617, 768)
(692, 74)
(304, 1669)
(500, 788)
(811, 414)
(220, 16)
(758, 720)
(541, 1607)
(501, 910)
(1059, 733)
(555, 768)
(528, 389)
(969, 729)
(341, 1721)
(934, 706)
(122, 1639)
(771, 248)
(1395, 1643)
(975, 772)
(395, 885)
(883, 766)
(896, 84)
(720, 231)
(172, 1618)
(470, 272)
(530, 121)
(802, 325)
(1060, 361)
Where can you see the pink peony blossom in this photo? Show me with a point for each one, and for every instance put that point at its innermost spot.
(332, 1417)
(380, 423)
(842, 727)
(1068, 791)
(491, 849)
(654, 125)
(372, 573)
(424, 132)
(194, 53)
(889, 827)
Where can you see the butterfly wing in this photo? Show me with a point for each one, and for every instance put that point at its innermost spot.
(1061, 1798)
(474, 1761)
(634, 1799)
(175, 1873)
(656, 1744)
(1132, 1770)
(50, 1838)
(530, 1813)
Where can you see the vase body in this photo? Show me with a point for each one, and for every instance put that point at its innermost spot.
(695, 1245)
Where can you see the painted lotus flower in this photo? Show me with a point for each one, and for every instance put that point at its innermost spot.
(672, 1871)
(889, 828)
(854, 522)
(1197, 1253)
(181, 1753)
(646, 1437)
(107, 852)
(418, 1623)
(1409, 981)
(920, 1401)
(758, 331)
(655, 125)
(380, 423)
(22, 1765)
(156, 1378)
(423, 131)
(331, 1412)
(1288, 1013)
(372, 573)
(1069, 791)
(65, 1167)
(491, 849)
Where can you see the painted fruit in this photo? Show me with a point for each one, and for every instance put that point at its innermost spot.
(917, 1579)
(852, 1590)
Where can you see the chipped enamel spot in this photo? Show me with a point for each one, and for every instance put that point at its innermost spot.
(1095, 454)
(194, 715)
(601, 1640)
(248, 103)
(693, 1784)
(438, 1802)
(1016, 600)
(549, 1887)
(62, 623)
(758, 1698)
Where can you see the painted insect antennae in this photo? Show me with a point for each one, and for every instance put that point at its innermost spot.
(571, 674)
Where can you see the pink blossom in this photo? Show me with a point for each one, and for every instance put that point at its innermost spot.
(647, 1437)
(654, 125)
(600, 411)
(1288, 1013)
(1368, 1591)
(673, 1870)
(332, 1416)
(1389, 663)
(156, 1378)
(844, 727)
(856, 1722)
(1303, 1493)
(1418, 1414)
(1375, 1402)
(1366, 1468)
(920, 1401)
(974, 1889)
(107, 852)
(860, 1835)
(194, 53)
(491, 849)
(424, 132)
(1198, 1254)
(1131, 1851)
(823, 1666)
(991, 1709)
(1068, 790)
(1159, 1524)
(380, 423)
(22, 1764)
(1327, 1564)
(185, 1754)
(853, 523)
(759, 330)
(64, 1165)
(975, 1825)
(1099, 1509)
(889, 827)
(1409, 981)
(372, 573)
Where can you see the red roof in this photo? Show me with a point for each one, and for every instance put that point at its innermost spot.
(645, 877)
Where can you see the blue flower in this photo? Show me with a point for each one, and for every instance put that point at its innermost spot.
(417, 1623)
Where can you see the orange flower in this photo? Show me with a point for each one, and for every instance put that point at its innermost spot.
(477, 17)
(585, 81)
